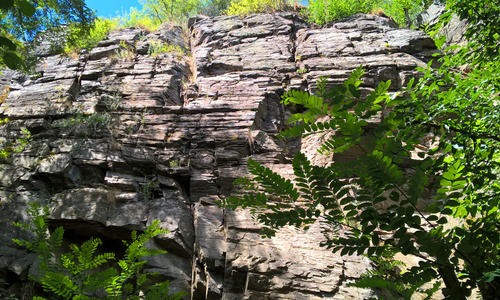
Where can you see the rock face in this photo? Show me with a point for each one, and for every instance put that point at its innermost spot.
(454, 30)
(123, 135)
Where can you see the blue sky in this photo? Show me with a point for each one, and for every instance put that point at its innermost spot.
(110, 8)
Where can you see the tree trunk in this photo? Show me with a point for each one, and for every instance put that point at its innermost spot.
(407, 16)
(451, 281)
(490, 290)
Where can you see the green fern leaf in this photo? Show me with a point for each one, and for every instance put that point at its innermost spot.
(272, 181)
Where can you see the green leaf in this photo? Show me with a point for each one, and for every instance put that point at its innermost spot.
(460, 231)
(452, 203)
(490, 276)
(351, 214)
(7, 43)
(6, 4)
(394, 196)
(26, 8)
(12, 60)
(354, 91)
(443, 220)
(445, 182)
(400, 232)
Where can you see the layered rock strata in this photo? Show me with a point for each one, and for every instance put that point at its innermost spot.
(126, 134)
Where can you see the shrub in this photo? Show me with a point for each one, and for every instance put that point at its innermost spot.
(172, 10)
(101, 28)
(139, 19)
(21, 21)
(460, 171)
(157, 47)
(396, 10)
(17, 146)
(246, 7)
(94, 121)
(321, 11)
(463, 122)
(216, 7)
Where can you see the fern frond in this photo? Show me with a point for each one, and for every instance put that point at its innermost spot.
(85, 255)
(306, 129)
(381, 169)
(56, 237)
(59, 284)
(69, 264)
(272, 182)
(159, 291)
(375, 282)
(313, 181)
(100, 260)
(314, 103)
(246, 200)
(245, 183)
(100, 280)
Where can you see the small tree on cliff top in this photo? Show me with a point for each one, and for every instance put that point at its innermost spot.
(458, 112)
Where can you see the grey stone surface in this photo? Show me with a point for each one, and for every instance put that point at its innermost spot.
(454, 30)
(120, 138)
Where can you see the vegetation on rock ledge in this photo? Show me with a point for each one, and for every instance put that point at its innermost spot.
(85, 31)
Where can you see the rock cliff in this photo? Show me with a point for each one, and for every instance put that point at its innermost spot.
(126, 134)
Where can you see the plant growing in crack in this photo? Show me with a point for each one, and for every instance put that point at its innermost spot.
(302, 71)
(174, 163)
(158, 47)
(112, 102)
(17, 146)
(147, 187)
(93, 121)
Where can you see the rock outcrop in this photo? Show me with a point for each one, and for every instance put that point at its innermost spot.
(124, 135)
(454, 30)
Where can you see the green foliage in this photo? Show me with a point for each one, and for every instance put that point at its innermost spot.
(80, 274)
(141, 19)
(157, 47)
(386, 277)
(77, 41)
(459, 113)
(397, 9)
(246, 7)
(483, 30)
(22, 142)
(94, 121)
(216, 7)
(4, 293)
(17, 146)
(322, 12)
(172, 10)
(147, 187)
(302, 71)
(174, 163)
(22, 20)
(158, 11)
